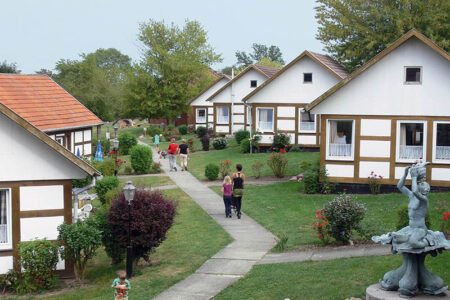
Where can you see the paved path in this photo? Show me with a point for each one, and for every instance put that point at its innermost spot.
(251, 243)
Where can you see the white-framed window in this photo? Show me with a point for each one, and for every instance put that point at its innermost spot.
(201, 115)
(441, 141)
(413, 75)
(307, 122)
(223, 113)
(410, 140)
(340, 139)
(5, 219)
(307, 77)
(264, 118)
(60, 139)
(253, 83)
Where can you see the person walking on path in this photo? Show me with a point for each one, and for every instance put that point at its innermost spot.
(227, 190)
(183, 151)
(238, 189)
(156, 140)
(173, 150)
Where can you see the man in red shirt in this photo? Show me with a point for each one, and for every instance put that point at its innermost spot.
(173, 150)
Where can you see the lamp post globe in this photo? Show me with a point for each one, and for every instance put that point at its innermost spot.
(116, 144)
(116, 128)
(128, 191)
(116, 149)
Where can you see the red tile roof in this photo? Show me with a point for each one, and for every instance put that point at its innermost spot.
(43, 103)
(331, 64)
(269, 71)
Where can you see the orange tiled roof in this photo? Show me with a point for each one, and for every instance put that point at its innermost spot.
(43, 103)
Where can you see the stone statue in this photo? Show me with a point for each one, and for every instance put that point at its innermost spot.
(414, 242)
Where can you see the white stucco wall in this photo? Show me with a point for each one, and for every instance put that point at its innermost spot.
(289, 87)
(286, 124)
(286, 111)
(380, 90)
(378, 167)
(25, 157)
(374, 148)
(335, 170)
(375, 127)
(307, 139)
(6, 264)
(39, 228)
(201, 100)
(41, 197)
(440, 174)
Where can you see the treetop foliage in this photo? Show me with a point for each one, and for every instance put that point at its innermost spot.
(354, 31)
(260, 52)
(6, 67)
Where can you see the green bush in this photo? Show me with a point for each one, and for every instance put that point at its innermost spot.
(106, 145)
(170, 127)
(326, 187)
(212, 171)
(110, 196)
(80, 240)
(219, 143)
(278, 163)
(182, 129)
(205, 142)
(295, 148)
(141, 159)
(241, 135)
(344, 215)
(257, 169)
(37, 261)
(117, 254)
(280, 140)
(155, 168)
(79, 183)
(104, 185)
(403, 217)
(126, 141)
(153, 130)
(311, 182)
(106, 167)
(305, 165)
(201, 131)
(245, 146)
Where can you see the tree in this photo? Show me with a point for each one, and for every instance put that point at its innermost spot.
(47, 72)
(269, 63)
(9, 68)
(354, 31)
(260, 51)
(97, 80)
(175, 67)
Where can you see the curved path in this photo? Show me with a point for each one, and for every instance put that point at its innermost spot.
(251, 243)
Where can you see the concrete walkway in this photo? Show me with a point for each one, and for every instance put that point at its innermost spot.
(251, 243)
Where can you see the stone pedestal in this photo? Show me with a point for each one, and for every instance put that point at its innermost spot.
(374, 292)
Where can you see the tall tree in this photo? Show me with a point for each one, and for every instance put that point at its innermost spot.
(354, 31)
(260, 51)
(47, 72)
(175, 66)
(97, 80)
(6, 67)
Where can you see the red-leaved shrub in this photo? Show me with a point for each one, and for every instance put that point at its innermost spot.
(152, 215)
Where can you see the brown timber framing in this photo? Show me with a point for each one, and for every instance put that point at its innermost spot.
(392, 139)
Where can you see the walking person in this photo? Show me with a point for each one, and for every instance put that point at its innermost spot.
(227, 190)
(173, 150)
(156, 140)
(183, 151)
(238, 189)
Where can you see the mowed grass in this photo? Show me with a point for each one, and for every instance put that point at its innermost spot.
(193, 239)
(333, 279)
(283, 209)
(147, 181)
(196, 144)
(197, 162)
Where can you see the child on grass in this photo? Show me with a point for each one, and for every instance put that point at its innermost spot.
(121, 286)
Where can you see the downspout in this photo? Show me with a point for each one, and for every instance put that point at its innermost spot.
(232, 101)
(251, 121)
(77, 191)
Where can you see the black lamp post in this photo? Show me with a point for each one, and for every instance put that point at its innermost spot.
(116, 149)
(116, 128)
(129, 190)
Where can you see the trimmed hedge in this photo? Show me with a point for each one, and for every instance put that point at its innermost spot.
(141, 159)
(126, 141)
(212, 171)
(104, 185)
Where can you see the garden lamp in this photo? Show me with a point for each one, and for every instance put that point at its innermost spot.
(116, 128)
(128, 191)
(116, 144)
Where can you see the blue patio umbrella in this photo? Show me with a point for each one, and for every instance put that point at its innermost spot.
(78, 153)
(98, 152)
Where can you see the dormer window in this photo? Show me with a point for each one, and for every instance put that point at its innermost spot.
(307, 77)
(413, 75)
(253, 83)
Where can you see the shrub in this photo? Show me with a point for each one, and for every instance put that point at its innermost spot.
(305, 166)
(322, 228)
(170, 127)
(374, 183)
(403, 217)
(80, 240)
(201, 131)
(212, 171)
(117, 254)
(344, 215)
(155, 168)
(37, 261)
(104, 185)
(278, 163)
(295, 148)
(282, 243)
(219, 143)
(141, 159)
(106, 146)
(280, 141)
(205, 142)
(444, 215)
(240, 135)
(126, 141)
(245, 146)
(326, 187)
(106, 167)
(311, 181)
(225, 168)
(151, 216)
(110, 196)
(182, 129)
(153, 130)
(257, 169)
(79, 183)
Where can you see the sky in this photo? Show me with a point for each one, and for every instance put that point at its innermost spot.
(36, 34)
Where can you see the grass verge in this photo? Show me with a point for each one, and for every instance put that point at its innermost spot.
(147, 181)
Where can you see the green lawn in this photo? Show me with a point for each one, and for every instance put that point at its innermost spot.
(198, 161)
(193, 239)
(333, 279)
(282, 209)
(147, 181)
